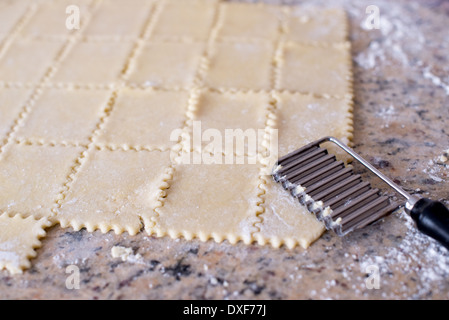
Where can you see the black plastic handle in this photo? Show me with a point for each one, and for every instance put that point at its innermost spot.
(432, 219)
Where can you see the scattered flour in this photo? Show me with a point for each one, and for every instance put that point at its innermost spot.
(386, 112)
(416, 256)
(438, 168)
(388, 49)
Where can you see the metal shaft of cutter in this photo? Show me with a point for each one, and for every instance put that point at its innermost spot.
(369, 167)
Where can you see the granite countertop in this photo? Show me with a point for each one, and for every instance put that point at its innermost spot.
(401, 125)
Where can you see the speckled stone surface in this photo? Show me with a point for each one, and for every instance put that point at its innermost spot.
(401, 120)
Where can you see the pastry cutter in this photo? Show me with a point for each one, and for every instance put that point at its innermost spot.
(339, 198)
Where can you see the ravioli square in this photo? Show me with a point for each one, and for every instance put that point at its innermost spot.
(167, 64)
(210, 200)
(31, 177)
(323, 70)
(64, 115)
(250, 21)
(18, 65)
(236, 117)
(285, 220)
(240, 65)
(193, 18)
(298, 122)
(317, 25)
(107, 59)
(114, 190)
(145, 118)
(117, 18)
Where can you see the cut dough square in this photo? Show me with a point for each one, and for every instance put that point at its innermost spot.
(317, 25)
(10, 14)
(285, 220)
(117, 18)
(316, 69)
(248, 21)
(18, 239)
(211, 200)
(303, 118)
(64, 115)
(145, 118)
(51, 17)
(12, 101)
(18, 65)
(106, 58)
(233, 111)
(114, 190)
(167, 64)
(193, 19)
(32, 176)
(240, 65)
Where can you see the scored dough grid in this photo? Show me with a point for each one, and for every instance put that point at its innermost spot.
(127, 84)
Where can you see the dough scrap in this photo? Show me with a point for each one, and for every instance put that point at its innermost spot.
(125, 254)
(86, 117)
(18, 239)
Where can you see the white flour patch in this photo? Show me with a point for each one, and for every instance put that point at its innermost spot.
(417, 256)
(386, 112)
(436, 80)
(387, 49)
(438, 168)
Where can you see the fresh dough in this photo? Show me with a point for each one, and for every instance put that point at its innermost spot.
(87, 117)
(18, 239)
